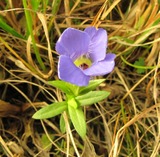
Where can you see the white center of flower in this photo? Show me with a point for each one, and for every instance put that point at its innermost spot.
(83, 62)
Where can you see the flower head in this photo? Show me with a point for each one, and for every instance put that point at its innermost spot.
(83, 55)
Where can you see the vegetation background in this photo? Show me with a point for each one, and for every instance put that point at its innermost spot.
(125, 124)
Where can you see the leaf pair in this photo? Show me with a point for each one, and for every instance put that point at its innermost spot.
(77, 97)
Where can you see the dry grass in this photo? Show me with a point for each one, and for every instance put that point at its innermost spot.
(126, 124)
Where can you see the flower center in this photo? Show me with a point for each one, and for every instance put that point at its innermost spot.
(83, 62)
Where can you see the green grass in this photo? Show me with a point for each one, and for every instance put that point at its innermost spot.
(125, 124)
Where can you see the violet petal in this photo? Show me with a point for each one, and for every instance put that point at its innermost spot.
(98, 43)
(102, 67)
(73, 43)
(68, 72)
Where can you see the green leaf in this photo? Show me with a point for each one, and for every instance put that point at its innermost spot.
(62, 124)
(35, 4)
(92, 85)
(9, 29)
(78, 120)
(51, 110)
(46, 143)
(64, 86)
(92, 97)
(140, 62)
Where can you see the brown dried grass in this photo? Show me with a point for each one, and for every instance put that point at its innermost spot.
(126, 124)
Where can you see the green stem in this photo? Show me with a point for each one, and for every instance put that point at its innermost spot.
(136, 66)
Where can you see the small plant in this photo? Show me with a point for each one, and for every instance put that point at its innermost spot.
(82, 56)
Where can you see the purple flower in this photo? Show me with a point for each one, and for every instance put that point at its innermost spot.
(83, 55)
